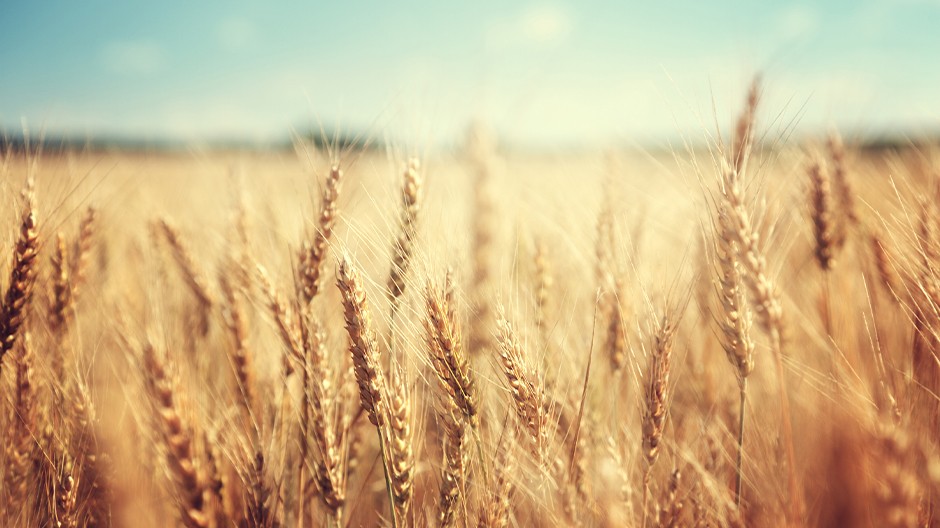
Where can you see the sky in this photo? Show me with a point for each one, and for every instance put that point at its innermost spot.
(541, 73)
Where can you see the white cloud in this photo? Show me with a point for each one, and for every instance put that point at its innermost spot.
(545, 24)
(235, 33)
(539, 25)
(798, 21)
(134, 57)
(927, 3)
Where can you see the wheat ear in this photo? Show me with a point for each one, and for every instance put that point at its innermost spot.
(524, 388)
(61, 309)
(365, 357)
(177, 438)
(735, 325)
(448, 358)
(22, 277)
(656, 400)
(81, 248)
(190, 271)
(404, 244)
(313, 254)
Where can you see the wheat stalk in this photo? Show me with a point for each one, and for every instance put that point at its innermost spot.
(328, 469)
(764, 298)
(61, 309)
(363, 348)
(284, 319)
(616, 340)
(735, 325)
(313, 254)
(480, 338)
(843, 186)
(177, 436)
(656, 400)
(404, 243)
(885, 266)
(363, 345)
(21, 443)
(239, 354)
(401, 460)
(822, 214)
(22, 277)
(496, 512)
(454, 471)
(190, 271)
(743, 140)
(544, 282)
(81, 248)
(524, 389)
(450, 363)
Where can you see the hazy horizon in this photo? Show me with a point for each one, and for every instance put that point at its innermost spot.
(540, 73)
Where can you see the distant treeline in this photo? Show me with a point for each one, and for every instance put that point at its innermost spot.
(16, 142)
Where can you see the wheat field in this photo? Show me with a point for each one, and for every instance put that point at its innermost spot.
(739, 335)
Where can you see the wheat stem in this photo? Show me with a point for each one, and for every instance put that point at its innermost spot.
(388, 478)
(740, 462)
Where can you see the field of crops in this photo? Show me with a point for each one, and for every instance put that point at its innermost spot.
(741, 334)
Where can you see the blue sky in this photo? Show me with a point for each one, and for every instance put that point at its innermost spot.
(538, 72)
